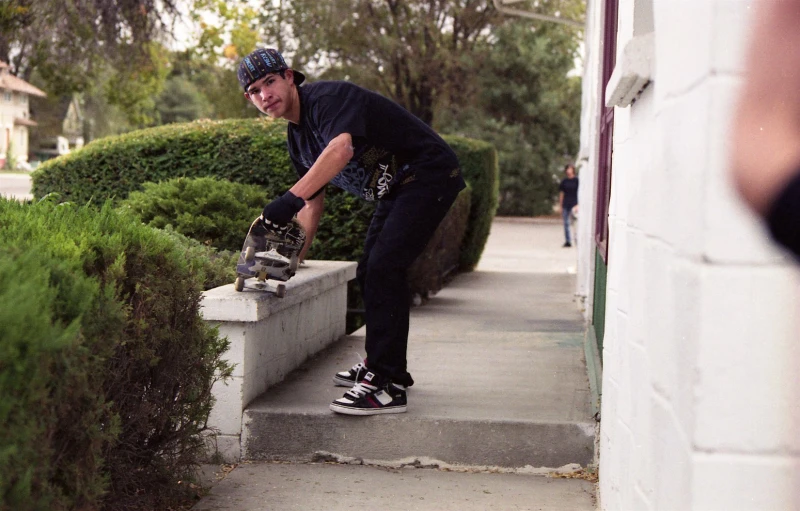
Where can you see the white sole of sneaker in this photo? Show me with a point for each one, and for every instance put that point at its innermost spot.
(366, 411)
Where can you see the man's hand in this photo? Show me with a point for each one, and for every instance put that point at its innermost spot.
(280, 212)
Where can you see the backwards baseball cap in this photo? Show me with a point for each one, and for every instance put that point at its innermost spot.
(262, 62)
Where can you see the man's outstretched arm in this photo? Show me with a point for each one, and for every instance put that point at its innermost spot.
(332, 160)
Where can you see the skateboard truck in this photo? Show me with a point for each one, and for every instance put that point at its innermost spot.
(271, 255)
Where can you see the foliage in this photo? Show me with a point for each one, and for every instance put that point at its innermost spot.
(11, 156)
(113, 358)
(413, 51)
(53, 421)
(441, 256)
(212, 211)
(180, 101)
(227, 29)
(252, 151)
(529, 109)
(216, 266)
(479, 166)
(43, 36)
(215, 83)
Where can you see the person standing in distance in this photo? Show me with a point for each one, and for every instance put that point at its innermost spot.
(342, 134)
(568, 199)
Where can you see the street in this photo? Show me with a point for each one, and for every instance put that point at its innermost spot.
(15, 185)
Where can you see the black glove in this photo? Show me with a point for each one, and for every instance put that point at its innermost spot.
(280, 212)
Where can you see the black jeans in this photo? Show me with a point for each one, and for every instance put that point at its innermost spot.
(401, 227)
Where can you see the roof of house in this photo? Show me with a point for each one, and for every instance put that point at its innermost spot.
(19, 121)
(11, 82)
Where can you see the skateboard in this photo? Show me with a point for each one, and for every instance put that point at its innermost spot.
(269, 254)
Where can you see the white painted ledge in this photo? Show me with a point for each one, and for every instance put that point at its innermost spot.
(270, 336)
(633, 71)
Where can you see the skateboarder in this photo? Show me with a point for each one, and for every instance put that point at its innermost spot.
(358, 140)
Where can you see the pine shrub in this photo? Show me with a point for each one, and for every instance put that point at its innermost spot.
(215, 212)
(107, 366)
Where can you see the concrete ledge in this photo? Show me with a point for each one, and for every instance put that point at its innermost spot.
(270, 337)
(224, 303)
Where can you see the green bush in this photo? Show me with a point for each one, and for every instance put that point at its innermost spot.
(50, 408)
(441, 256)
(107, 366)
(249, 151)
(479, 165)
(215, 212)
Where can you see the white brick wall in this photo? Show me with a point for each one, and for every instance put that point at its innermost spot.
(700, 378)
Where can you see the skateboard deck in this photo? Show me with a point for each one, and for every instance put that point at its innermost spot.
(269, 254)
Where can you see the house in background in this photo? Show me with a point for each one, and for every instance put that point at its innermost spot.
(692, 308)
(15, 118)
(61, 126)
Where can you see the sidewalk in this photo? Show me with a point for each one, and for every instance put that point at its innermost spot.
(501, 393)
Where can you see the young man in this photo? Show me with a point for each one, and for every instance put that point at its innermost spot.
(568, 199)
(368, 145)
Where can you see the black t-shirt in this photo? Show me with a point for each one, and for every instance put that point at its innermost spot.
(570, 188)
(391, 145)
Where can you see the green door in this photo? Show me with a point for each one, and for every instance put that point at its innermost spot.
(599, 310)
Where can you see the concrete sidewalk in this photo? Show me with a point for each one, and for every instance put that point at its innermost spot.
(501, 393)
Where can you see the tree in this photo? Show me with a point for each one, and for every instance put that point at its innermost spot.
(528, 108)
(181, 101)
(413, 51)
(228, 32)
(67, 41)
(86, 45)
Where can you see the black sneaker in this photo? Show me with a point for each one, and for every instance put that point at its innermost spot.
(567, 244)
(371, 396)
(349, 378)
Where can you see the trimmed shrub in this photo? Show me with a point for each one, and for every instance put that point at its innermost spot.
(117, 368)
(251, 151)
(215, 212)
(441, 256)
(479, 164)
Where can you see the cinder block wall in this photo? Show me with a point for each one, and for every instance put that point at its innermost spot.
(701, 389)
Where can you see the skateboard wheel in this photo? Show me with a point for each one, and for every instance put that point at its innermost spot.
(280, 290)
(249, 254)
(293, 263)
(239, 284)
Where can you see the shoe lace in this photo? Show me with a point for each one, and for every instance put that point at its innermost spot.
(360, 366)
(361, 389)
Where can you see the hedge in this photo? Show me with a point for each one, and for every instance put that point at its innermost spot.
(251, 151)
(215, 212)
(441, 257)
(106, 366)
(479, 164)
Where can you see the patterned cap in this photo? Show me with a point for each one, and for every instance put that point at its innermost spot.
(262, 62)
